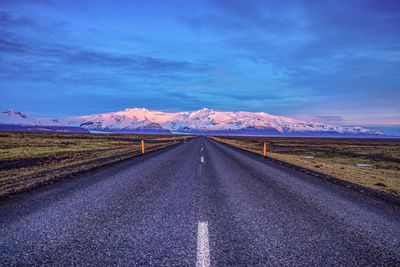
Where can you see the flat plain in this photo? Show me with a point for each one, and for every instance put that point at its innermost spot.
(374, 163)
(31, 159)
(199, 203)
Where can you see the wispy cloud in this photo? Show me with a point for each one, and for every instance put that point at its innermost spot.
(26, 58)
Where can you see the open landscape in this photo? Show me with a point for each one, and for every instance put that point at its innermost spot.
(199, 133)
(31, 159)
(373, 163)
(200, 203)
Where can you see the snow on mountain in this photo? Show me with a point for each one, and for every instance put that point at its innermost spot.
(12, 120)
(129, 119)
(20, 118)
(207, 120)
(203, 120)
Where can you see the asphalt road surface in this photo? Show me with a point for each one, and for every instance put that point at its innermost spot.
(200, 203)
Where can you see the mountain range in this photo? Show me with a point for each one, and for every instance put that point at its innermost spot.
(202, 121)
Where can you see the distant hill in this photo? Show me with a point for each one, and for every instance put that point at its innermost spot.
(37, 128)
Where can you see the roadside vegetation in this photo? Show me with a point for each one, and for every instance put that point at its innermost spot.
(31, 159)
(373, 163)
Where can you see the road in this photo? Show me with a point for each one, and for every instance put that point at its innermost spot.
(200, 203)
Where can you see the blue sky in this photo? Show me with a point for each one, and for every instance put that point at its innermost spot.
(334, 61)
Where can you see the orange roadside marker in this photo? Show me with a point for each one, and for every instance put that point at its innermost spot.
(142, 145)
(265, 150)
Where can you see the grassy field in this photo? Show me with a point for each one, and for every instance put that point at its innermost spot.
(369, 162)
(31, 159)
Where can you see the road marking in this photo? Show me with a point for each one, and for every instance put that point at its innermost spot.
(202, 159)
(201, 149)
(203, 250)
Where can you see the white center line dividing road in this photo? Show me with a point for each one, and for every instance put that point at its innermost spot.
(203, 251)
(202, 159)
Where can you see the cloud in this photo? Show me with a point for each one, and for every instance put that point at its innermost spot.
(299, 31)
(8, 45)
(240, 17)
(12, 3)
(78, 56)
(37, 58)
(344, 46)
(135, 62)
(7, 20)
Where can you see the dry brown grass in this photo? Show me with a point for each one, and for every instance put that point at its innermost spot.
(335, 157)
(31, 159)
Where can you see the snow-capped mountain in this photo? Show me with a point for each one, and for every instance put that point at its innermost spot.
(20, 118)
(134, 119)
(12, 120)
(200, 121)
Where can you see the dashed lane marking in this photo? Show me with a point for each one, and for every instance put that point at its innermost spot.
(203, 250)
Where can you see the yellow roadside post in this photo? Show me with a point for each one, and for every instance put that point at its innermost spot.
(142, 145)
(265, 150)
